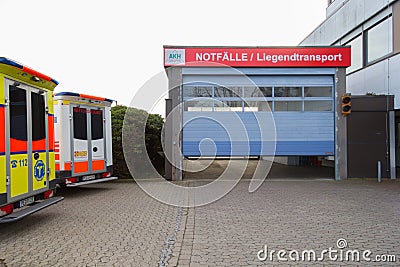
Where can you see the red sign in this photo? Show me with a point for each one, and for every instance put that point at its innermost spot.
(258, 57)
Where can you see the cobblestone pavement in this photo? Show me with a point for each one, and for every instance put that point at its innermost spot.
(116, 224)
(97, 225)
(293, 215)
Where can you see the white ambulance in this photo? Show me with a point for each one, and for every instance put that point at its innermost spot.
(83, 139)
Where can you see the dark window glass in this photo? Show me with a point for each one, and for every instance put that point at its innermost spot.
(233, 91)
(80, 123)
(318, 91)
(287, 92)
(288, 106)
(18, 114)
(267, 91)
(197, 91)
(38, 111)
(96, 117)
(318, 106)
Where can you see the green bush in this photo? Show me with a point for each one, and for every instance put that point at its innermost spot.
(135, 122)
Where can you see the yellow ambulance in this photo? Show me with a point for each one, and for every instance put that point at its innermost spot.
(27, 160)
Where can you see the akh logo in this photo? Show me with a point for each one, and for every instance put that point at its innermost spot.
(174, 56)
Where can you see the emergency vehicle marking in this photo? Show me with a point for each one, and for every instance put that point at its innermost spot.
(80, 154)
(39, 170)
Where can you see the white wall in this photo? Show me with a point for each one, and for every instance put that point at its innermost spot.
(375, 79)
(350, 15)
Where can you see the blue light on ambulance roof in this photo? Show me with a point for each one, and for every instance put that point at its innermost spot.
(7, 61)
(67, 94)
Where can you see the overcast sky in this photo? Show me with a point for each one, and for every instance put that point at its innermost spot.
(111, 48)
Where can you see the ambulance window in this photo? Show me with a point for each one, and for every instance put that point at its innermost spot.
(18, 114)
(97, 124)
(38, 111)
(80, 123)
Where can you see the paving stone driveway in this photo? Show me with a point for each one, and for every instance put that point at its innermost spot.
(95, 225)
(116, 224)
(294, 215)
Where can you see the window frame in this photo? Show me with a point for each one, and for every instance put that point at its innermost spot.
(96, 130)
(368, 62)
(16, 131)
(212, 107)
(76, 127)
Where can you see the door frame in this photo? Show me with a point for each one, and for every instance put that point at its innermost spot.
(89, 138)
(28, 88)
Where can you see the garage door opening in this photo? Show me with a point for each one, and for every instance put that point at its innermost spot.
(282, 168)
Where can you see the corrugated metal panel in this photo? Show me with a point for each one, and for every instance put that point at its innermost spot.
(307, 133)
(247, 133)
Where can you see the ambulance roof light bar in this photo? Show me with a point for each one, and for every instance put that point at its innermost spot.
(34, 73)
(84, 96)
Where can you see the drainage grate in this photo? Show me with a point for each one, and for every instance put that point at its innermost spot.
(166, 252)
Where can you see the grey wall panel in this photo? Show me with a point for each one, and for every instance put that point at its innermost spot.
(371, 79)
(375, 79)
(342, 18)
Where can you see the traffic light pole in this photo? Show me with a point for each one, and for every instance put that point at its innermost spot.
(340, 126)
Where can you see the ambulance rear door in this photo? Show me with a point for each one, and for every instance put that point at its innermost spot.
(27, 143)
(88, 145)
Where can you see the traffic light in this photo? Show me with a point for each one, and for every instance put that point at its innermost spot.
(346, 105)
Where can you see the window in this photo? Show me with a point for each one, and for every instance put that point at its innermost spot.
(257, 91)
(228, 106)
(254, 106)
(197, 91)
(356, 54)
(380, 40)
(199, 105)
(321, 91)
(96, 118)
(288, 106)
(287, 92)
(18, 114)
(317, 105)
(80, 123)
(235, 91)
(279, 98)
(38, 111)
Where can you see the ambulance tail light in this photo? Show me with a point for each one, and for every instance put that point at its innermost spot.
(105, 174)
(70, 180)
(48, 194)
(7, 209)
